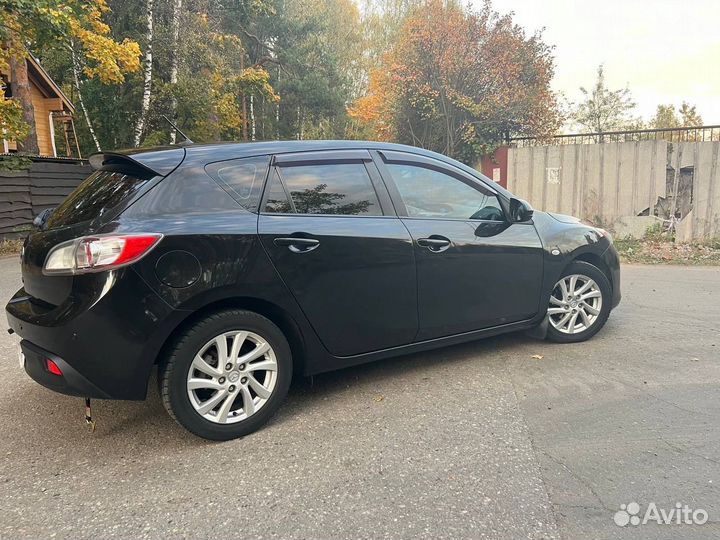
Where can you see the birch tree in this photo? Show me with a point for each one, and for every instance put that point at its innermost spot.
(147, 74)
(77, 83)
(174, 64)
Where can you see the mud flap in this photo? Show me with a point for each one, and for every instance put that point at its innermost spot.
(539, 331)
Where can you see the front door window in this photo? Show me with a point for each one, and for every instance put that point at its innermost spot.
(429, 193)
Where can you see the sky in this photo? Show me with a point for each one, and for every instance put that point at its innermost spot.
(665, 51)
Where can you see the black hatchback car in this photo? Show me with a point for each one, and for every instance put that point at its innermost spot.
(234, 267)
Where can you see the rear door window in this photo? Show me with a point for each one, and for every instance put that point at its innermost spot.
(331, 188)
(99, 193)
(277, 201)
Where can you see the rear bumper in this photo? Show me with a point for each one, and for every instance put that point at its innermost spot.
(105, 348)
(71, 382)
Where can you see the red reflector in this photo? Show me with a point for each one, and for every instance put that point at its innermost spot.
(53, 367)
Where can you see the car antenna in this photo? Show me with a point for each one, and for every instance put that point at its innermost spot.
(187, 139)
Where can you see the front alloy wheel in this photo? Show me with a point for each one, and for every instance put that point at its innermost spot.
(579, 303)
(575, 304)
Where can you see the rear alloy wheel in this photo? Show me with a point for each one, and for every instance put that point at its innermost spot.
(579, 303)
(232, 377)
(227, 375)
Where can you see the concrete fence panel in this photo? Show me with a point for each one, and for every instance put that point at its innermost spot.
(614, 184)
(703, 160)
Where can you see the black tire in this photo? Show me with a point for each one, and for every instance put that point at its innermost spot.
(173, 373)
(599, 277)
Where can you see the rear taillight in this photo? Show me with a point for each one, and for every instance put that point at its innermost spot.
(98, 253)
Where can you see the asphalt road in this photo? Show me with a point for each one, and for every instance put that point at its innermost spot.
(478, 440)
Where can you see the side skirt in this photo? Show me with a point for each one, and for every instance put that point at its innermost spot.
(348, 361)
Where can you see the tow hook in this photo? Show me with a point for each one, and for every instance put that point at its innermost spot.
(88, 416)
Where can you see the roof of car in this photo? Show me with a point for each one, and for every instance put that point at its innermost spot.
(164, 159)
(230, 150)
(261, 147)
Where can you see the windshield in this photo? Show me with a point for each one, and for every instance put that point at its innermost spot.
(99, 193)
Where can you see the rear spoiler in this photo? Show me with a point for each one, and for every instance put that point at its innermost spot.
(160, 160)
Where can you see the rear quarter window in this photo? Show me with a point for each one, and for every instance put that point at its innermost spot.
(98, 194)
(242, 179)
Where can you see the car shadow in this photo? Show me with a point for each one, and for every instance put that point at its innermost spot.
(328, 383)
(45, 417)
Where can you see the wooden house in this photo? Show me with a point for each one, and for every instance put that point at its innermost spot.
(53, 114)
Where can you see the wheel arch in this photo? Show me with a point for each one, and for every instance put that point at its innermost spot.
(276, 314)
(595, 260)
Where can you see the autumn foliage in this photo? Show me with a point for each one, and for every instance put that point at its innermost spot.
(375, 109)
(68, 23)
(71, 25)
(458, 82)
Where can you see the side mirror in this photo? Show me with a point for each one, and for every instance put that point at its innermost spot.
(520, 210)
(42, 217)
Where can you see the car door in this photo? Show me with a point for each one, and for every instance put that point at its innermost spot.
(327, 222)
(475, 269)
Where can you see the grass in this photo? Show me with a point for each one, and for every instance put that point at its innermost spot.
(659, 248)
(11, 247)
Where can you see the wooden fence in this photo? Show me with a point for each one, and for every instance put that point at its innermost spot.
(26, 193)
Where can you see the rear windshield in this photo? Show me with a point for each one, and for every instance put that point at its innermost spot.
(99, 193)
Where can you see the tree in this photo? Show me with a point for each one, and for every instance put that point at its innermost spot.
(12, 122)
(665, 117)
(75, 25)
(175, 61)
(604, 109)
(224, 70)
(375, 110)
(315, 47)
(20, 88)
(147, 72)
(78, 82)
(460, 82)
(431, 74)
(689, 116)
(381, 22)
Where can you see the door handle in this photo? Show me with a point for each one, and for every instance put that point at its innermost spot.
(434, 243)
(296, 244)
